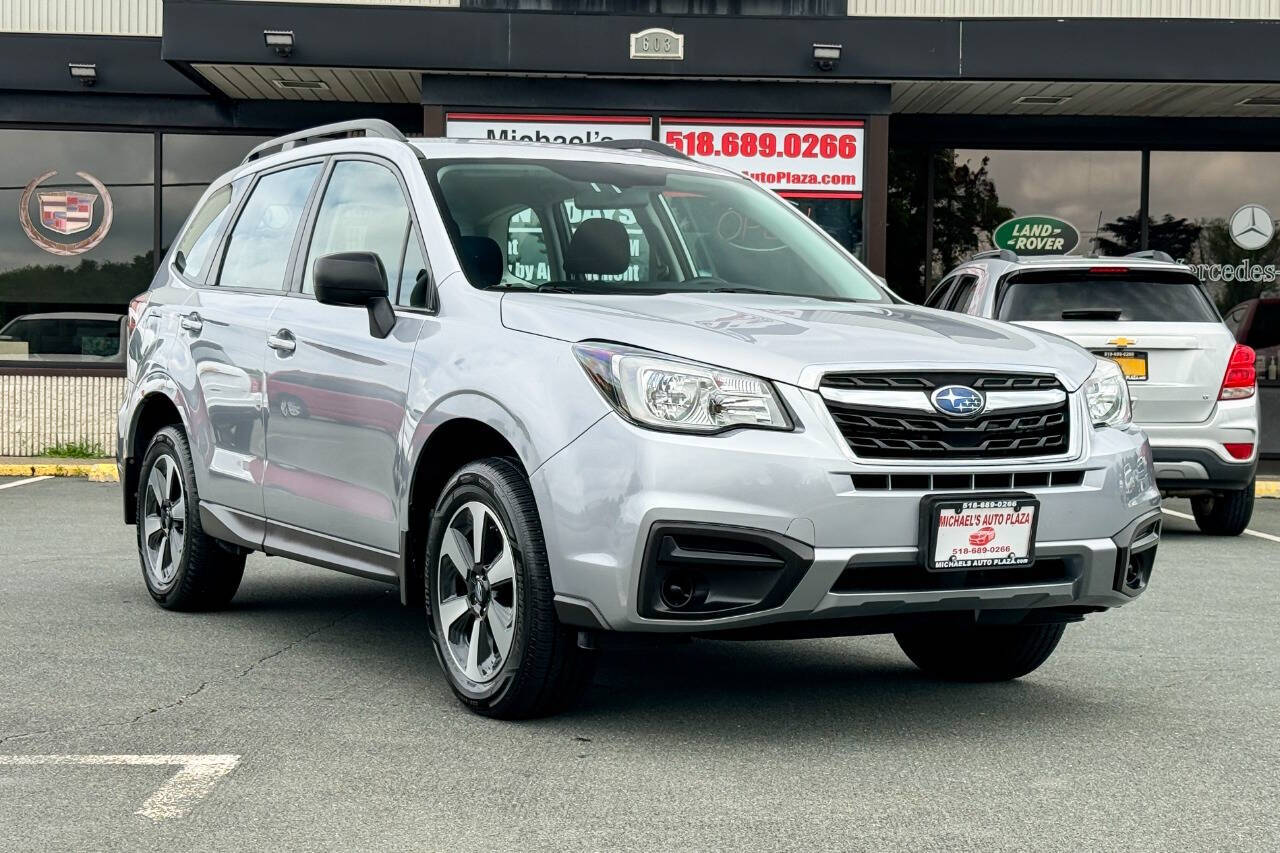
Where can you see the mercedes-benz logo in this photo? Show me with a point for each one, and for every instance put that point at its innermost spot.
(1252, 227)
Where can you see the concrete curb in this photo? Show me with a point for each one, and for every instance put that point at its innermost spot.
(98, 472)
(1267, 489)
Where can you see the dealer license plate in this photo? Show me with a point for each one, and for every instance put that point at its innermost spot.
(1132, 362)
(981, 532)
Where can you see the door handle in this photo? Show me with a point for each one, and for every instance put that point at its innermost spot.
(192, 323)
(282, 342)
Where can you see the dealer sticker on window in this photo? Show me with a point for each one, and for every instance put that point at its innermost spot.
(977, 533)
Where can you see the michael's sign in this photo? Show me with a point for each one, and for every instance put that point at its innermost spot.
(562, 129)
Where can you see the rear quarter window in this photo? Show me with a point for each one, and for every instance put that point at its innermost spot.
(1140, 295)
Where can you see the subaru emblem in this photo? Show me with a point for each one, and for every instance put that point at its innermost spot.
(958, 401)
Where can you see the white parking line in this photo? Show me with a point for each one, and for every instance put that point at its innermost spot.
(24, 482)
(1189, 517)
(175, 798)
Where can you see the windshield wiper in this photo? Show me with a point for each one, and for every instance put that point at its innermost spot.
(1091, 314)
(744, 290)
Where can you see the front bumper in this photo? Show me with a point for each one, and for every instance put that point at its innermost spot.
(1190, 457)
(601, 497)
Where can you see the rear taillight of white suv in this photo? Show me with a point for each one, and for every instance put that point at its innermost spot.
(1241, 380)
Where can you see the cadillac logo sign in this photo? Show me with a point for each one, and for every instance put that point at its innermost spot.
(65, 213)
(657, 43)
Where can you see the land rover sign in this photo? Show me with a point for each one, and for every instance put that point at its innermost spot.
(1036, 235)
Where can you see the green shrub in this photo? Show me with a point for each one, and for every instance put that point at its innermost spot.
(75, 450)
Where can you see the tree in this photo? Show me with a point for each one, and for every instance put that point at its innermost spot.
(1175, 236)
(965, 205)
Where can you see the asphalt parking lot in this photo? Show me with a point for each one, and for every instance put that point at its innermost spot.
(1156, 727)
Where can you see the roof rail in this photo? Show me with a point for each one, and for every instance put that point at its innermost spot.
(640, 145)
(1003, 254)
(368, 127)
(1151, 254)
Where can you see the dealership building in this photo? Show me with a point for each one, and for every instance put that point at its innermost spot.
(909, 129)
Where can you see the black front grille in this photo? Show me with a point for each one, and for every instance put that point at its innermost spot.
(889, 433)
(901, 381)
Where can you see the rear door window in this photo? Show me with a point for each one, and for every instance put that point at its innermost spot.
(1139, 295)
(935, 298)
(258, 249)
(962, 293)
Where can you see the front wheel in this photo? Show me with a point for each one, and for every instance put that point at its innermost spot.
(980, 652)
(1224, 513)
(489, 599)
(184, 567)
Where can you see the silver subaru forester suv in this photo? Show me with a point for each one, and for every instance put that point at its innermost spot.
(555, 394)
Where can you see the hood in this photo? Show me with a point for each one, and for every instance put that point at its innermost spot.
(778, 337)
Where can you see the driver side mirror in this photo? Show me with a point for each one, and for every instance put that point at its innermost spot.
(356, 279)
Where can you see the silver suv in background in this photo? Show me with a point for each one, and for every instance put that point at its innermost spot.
(694, 414)
(1194, 388)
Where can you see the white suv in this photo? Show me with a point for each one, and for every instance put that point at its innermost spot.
(1194, 388)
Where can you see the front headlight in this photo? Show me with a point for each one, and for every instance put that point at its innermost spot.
(1107, 393)
(672, 394)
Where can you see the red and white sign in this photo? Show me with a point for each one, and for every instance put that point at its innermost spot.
(978, 533)
(563, 129)
(793, 157)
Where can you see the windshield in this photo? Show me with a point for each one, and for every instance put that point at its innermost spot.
(589, 227)
(1137, 295)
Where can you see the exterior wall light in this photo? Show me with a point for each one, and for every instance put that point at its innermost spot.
(85, 72)
(281, 41)
(826, 56)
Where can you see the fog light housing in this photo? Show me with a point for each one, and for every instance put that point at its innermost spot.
(1239, 450)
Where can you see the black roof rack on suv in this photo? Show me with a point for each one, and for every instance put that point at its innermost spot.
(640, 145)
(1003, 254)
(374, 127)
(1151, 254)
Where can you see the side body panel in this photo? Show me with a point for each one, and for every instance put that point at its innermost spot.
(337, 407)
(227, 355)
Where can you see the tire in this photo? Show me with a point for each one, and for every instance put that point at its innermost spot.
(525, 664)
(183, 567)
(980, 652)
(1224, 513)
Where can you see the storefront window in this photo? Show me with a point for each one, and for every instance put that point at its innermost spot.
(191, 163)
(1217, 209)
(79, 243)
(1099, 192)
(839, 217)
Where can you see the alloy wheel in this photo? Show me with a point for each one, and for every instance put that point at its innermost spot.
(476, 592)
(164, 522)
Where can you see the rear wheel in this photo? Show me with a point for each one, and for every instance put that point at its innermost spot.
(1224, 513)
(184, 568)
(489, 599)
(980, 652)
